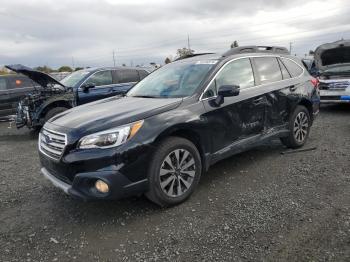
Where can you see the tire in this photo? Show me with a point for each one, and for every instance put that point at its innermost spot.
(165, 173)
(299, 128)
(54, 111)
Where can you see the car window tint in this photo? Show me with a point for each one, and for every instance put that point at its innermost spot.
(285, 73)
(294, 69)
(20, 82)
(128, 75)
(238, 72)
(3, 85)
(142, 74)
(268, 69)
(100, 78)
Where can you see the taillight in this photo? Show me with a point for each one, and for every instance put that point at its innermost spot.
(315, 82)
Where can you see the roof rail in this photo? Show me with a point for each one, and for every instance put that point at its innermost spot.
(192, 55)
(256, 49)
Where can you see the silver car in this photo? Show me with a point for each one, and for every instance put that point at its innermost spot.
(333, 63)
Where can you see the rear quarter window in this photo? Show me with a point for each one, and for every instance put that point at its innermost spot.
(293, 68)
(268, 69)
(127, 76)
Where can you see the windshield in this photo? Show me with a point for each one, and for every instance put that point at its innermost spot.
(338, 69)
(173, 80)
(74, 78)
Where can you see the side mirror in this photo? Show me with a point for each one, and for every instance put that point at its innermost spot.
(226, 91)
(86, 87)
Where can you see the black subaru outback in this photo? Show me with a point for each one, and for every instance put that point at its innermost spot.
(175, 123)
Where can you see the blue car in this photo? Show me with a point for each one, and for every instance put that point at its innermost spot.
(81, 87)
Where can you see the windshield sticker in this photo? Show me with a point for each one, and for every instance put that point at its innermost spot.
(207, 62)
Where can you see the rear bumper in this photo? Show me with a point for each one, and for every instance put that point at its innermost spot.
(83, 185)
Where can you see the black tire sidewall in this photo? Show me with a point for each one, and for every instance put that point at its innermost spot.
(54, 111)
(170, 144)
(292, 136)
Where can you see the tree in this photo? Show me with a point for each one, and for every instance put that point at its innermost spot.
(167, 60)
(78, 68)
(311, 52)
(44, 69)
(65, 69)
(234, 44)
(183, 52)
(123, 64)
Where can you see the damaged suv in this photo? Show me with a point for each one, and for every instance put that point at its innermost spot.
(177, 122)
(78, 88)
(333, 62)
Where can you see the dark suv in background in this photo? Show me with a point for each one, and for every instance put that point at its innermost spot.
(177, 122)
(12, 89)
(78, 88)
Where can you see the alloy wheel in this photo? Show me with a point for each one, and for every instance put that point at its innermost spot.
(177, 172)
(301, 125)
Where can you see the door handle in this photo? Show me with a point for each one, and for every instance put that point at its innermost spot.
(257, 101)
(292, 88)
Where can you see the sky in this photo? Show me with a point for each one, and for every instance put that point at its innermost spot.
(88, 32)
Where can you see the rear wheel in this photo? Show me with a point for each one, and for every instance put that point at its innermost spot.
(299, 126)
(54, 111)
(174, 172)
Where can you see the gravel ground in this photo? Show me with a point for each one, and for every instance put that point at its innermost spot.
(258, 205)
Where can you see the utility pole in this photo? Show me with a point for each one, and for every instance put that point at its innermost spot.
(290, 47)
(114, 58)
(73, 66)
(188, 42)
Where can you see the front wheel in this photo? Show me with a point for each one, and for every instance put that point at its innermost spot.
(299, 126)
(174, 172)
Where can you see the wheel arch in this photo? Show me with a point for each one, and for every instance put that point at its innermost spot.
(307, 103)
(56, 103)
(189, 134)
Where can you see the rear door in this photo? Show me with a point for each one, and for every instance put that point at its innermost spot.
(126, 79)
(238, 117)
(18, 87)
(103, 87)
(5, 104)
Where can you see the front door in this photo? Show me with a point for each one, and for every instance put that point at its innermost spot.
(240, 116)
(103, 86)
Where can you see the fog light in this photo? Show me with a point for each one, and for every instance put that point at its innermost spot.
(102, 186)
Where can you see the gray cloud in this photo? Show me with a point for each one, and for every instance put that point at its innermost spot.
(56, 32)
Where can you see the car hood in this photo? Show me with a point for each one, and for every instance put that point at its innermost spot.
(332, 55)
(41, 78)
(112, 112)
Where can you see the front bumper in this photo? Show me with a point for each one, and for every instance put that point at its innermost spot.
(83, 185)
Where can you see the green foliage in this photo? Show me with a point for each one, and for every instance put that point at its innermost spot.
(65, 69)
(234, 44)
(183, 52)
(167, 60)
(44, 69)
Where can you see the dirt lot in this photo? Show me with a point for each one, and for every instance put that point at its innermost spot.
(259, 205)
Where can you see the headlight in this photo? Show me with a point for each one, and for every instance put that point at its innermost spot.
(110, 138)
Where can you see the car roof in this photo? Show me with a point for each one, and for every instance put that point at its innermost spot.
(94, 69)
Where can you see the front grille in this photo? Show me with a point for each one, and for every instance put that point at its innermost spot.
(52, 143)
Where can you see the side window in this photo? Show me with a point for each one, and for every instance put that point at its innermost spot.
(238, 72)
(20, 82)
(142, 74)
(268, 69)
(100, 78)
(3, 85)
(284, 70)
(128, 75)
(293, 68)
